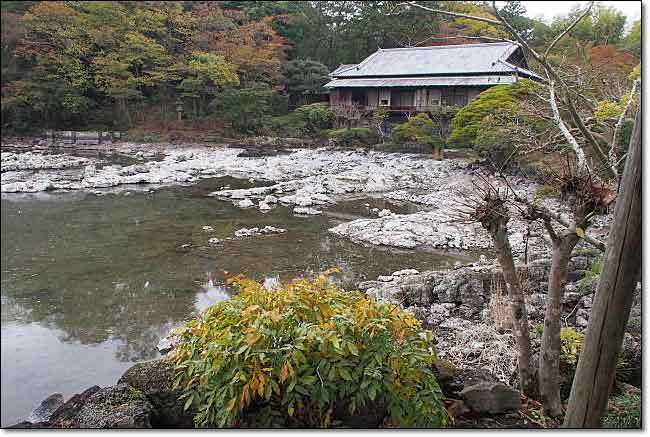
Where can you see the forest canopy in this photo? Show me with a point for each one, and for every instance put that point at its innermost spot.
(117, 64)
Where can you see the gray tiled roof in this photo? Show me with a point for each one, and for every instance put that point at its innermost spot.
(342, 68)
(388, 82)
(437, 60)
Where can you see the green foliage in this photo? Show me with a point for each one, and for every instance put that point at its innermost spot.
(495, 141)
(594, 271)
(547, 191)
(351, 137)
(623, 411)
(466, 124)
(419, 129)
(317, 115)
(632, 41)
(289, 125)
(306, 355)
(246, 108)
(304, 78)
(625, 135)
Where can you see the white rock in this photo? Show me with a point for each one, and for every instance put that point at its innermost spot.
(406, 272)
(208, 228)
(385, 213)
(246, 203)
(306, 211)
(263, 206)
(271, 199)
(214, 241)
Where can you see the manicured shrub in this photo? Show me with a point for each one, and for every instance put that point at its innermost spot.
(466, 124)
(317, 115)
(357, 136)
(307, 355)
(419, 129)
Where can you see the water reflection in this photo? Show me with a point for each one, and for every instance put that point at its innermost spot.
(210, 294)
(102, 278)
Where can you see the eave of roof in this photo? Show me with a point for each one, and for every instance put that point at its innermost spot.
(487, 80)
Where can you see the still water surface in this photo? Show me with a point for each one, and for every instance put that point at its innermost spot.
(90, 283)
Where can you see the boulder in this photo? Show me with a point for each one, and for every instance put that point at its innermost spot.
(155, 379)
(44, 411)
(119, 406)
(490, 398)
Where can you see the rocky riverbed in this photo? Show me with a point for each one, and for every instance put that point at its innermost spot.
(464, 305)
(308, 181)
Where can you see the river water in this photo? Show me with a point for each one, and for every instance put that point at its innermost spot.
(91, 282)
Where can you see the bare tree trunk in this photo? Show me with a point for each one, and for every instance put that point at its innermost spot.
(498, 230)
(549, 359)
(613, 300)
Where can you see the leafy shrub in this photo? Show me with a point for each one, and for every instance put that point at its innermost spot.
(306, 355)
(357, 136)
(570, 345)
(623, 411)
(292, 125)
(317, 115)
(419, 129)
(466, 124)
(594, 271)
(607, 109)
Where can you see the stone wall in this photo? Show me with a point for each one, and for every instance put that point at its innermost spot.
(81, 137)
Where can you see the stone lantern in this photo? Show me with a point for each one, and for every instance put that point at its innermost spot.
(179, 108)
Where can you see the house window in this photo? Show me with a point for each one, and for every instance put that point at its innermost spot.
(460, 100)
(453, 96)
(384, 102)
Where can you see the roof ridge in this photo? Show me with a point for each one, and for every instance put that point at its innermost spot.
(452, 46)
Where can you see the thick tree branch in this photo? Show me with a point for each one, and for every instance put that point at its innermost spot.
(580, 154)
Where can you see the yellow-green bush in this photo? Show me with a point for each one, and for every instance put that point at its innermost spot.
(316, 115)
(607, 109)
(307, 355)
(466, 124)
(420, 129)
(570, 345)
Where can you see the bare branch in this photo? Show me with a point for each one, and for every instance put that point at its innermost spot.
(580, 154)
(568, 29)
(453, 14)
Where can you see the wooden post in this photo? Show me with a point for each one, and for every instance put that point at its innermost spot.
(613, 300)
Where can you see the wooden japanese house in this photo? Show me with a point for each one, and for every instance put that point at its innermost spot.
(420, 79)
